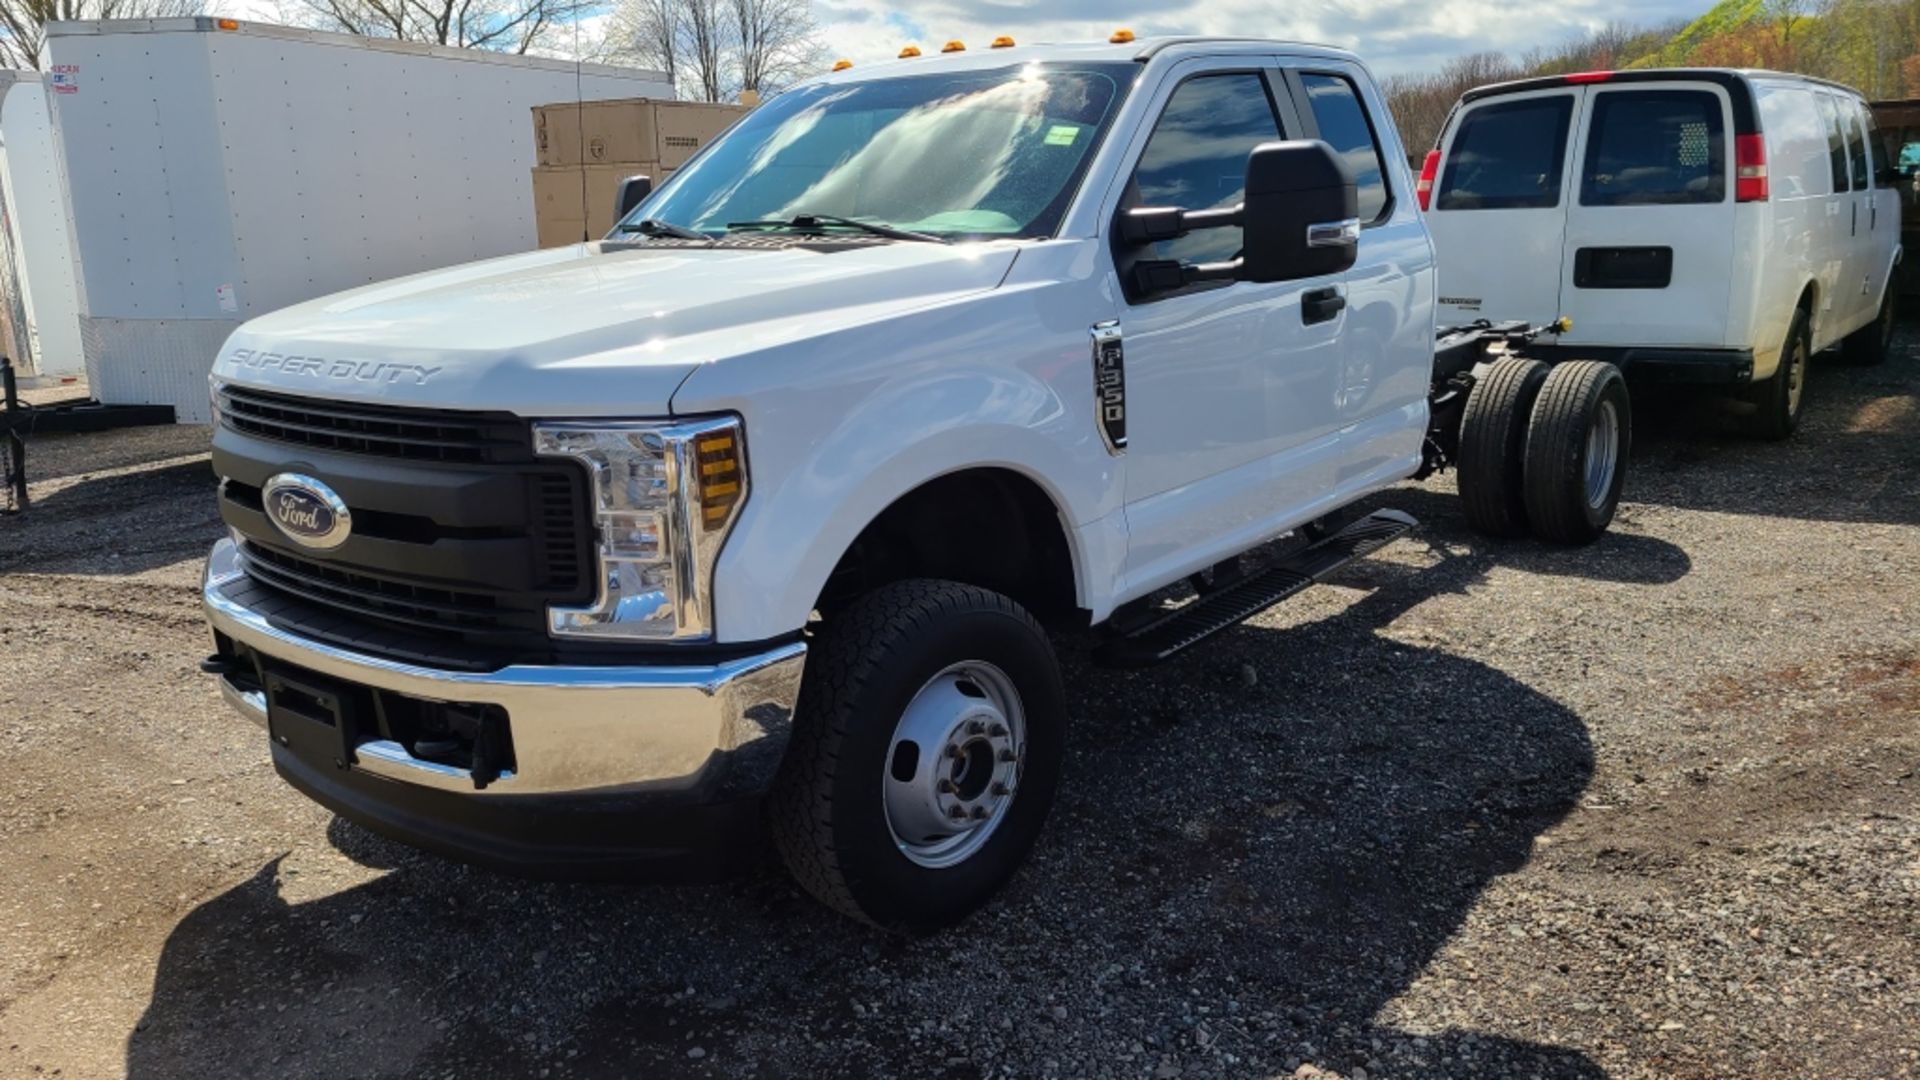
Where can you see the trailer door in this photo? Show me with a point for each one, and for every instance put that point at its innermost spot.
(1650, 230)
(1498, 215)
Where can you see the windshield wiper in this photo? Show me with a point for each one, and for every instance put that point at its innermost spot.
(813, 222)
(656, 227)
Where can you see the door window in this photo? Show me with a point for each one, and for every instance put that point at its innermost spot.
(1655, 148)
(1836, 142)
(1196, 158)
(1508, 156)
(1344, 126)
(1856, 148)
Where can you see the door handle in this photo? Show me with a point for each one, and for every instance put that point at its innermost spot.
(1855, 227)
(1319, 305)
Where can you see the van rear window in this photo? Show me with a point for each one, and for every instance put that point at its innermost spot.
(1508, 156)
(1655, 148)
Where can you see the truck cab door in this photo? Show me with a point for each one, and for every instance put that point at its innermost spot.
(1218, 374)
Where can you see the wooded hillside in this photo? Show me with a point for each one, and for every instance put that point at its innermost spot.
(1873, 45)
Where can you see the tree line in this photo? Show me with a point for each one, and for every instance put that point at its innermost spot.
(1871, 45)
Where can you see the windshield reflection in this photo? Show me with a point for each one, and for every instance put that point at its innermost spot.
(966, 154)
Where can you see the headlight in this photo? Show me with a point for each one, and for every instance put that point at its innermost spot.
(664, 497)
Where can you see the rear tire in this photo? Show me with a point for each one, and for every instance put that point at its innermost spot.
(1869, 344)
(1779, 400)
(1576, 457)
(847, 777)
(1493, 432)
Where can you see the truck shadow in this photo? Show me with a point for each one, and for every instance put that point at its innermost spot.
(1255, 853)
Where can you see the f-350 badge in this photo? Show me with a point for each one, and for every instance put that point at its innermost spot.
(1110, 386)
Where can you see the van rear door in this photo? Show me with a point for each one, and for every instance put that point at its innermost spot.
(1498, 213)
(1650, 224)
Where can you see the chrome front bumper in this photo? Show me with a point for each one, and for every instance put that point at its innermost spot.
(585, 730)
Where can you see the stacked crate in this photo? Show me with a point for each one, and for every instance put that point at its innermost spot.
(586, 148)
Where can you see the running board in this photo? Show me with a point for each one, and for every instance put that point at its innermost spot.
(1187, 626)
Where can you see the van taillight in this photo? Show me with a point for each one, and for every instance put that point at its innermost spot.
(1749, 168)
(1424, 189)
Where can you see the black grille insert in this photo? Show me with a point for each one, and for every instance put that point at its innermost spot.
(385, 431)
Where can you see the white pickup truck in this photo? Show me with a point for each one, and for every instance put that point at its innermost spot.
(748, 518)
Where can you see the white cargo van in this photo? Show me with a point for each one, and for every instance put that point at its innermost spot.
(1706, 226)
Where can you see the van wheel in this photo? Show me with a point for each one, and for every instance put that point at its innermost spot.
(1493, 432)
(1869, 344)
(1778, 400)
(1576, 458)
(926, 748)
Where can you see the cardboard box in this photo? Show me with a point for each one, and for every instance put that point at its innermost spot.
(628, 131)
(559, 215)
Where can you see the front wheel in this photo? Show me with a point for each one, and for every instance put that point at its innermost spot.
(1576, 457)
(1869, 344)
(926, 749)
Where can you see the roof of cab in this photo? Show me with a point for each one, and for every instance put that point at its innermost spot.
(1140, 50)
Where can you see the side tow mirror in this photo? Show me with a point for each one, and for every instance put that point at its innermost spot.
(632, 192)
(1301, 214)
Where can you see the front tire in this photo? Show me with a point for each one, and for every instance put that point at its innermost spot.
(1870, 344)
(1576, 459)
(926, 750)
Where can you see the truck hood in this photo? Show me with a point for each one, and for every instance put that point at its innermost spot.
(588, 330)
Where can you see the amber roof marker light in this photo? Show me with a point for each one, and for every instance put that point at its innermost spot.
(956, 45)
(842, 64)
(1121, 36)
(1002, 42)
(909, 52)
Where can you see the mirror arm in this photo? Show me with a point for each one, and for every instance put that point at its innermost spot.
(1152, 224)
(1165, 275)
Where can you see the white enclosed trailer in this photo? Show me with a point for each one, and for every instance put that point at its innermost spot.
(220, 170)
(37, 276)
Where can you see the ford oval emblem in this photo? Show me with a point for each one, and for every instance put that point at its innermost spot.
(307, 511)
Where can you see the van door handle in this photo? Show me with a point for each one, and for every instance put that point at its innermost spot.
(1319, 305)
(1856, 218)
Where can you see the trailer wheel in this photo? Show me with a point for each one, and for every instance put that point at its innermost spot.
(926, 747)
(1576, 456)
(1493, 432)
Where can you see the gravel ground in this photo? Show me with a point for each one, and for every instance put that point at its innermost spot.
(1648, 809)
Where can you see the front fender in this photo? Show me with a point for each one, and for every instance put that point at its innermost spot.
(839, 428)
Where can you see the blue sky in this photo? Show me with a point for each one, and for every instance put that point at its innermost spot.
(1394, 36)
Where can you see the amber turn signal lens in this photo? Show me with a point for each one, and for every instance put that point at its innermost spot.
(718, 457)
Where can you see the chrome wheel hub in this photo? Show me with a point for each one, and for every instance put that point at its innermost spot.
(1603, 454)
(954, 764)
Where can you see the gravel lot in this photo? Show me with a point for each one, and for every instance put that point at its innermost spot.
(1648, 809)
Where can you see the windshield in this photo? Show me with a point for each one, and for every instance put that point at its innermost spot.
(958, 155)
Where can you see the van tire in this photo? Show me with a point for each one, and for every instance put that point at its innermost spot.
(1576, 457)
(1777, 404)
(827, 812)
(1493, 433)
(1869, 344)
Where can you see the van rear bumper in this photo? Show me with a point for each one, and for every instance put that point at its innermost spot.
(1702, 366)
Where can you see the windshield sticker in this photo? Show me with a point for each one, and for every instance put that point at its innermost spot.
(1062, 135)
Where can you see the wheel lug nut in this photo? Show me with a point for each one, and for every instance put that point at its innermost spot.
(953, 751)
(1008, 755)
(998, 731)
(976, 727)
(947, 787)
(1002, 790)
(979, 813)
(958, 813)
